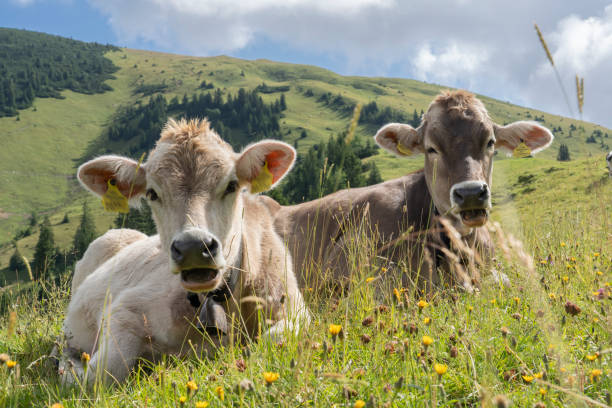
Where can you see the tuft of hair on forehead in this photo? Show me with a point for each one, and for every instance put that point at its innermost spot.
(460, 104)
(184, 131)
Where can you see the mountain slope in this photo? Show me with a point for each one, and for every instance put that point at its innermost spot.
(43, 146)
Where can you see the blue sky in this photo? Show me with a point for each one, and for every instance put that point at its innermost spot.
(486, 46)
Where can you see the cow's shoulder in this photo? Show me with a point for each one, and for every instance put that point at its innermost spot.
(102, 249)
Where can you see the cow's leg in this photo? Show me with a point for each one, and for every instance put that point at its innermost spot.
(101, 250)
(296, 316)
(119, 343)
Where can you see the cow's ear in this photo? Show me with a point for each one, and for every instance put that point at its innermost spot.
(264, 164)
(536, 137)
(400, 139)
(126, 174)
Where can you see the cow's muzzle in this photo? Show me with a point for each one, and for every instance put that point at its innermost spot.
(197, 255)
(471, 200)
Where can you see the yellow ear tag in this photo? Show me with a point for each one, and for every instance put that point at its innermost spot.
(404, 150)
(113, 200)
(263, 181)
(521, 151)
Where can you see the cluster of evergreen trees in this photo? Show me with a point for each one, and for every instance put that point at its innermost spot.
(40, 65)
(239, 119)
(328, 167)
(49, 262)
(371, 114)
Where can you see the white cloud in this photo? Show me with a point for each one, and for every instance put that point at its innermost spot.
(488, 47)
(453, 64)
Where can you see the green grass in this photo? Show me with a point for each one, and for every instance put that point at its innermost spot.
(500, 334)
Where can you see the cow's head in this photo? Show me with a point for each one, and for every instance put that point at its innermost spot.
(195, 184)
(609, 163)
(458, 139)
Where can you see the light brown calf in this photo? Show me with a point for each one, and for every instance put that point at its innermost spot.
(130, 297)
(458, 139)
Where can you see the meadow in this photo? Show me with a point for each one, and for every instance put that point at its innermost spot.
(544, 340)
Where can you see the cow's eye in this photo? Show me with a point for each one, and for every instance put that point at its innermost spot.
(431, 150)
(491, 144)
(232, 186)
(152, 195)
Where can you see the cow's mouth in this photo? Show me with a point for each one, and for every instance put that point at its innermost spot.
(199, 279)
(474, 218)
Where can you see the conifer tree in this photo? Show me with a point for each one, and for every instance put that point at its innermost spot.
(85, 233)
(564, 154)
(44, 255)
(374, 177)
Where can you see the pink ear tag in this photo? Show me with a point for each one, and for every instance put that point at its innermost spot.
(113, 200)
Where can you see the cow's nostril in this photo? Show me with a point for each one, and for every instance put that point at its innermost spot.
(484, 194)
(176, 253)
(211, 246)
(457, 197)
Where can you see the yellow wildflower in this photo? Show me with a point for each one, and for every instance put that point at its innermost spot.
(359, 404)
(543, 391)
(440, 369)
(538, 375)
(599, 273)
(85, 357)
(493, 301)
(595, 320)
(192, 386)
(595, 373)
(422, 304)
(592, 357)
(427, 321)
(543, 262)
(335, 329)
(11, 363)
(270, 377)
(370, 279)
(565, 279)
(397, 294)
(182, 399)
(573, 259)
(201, 404)
(528, 378)
(220, 392)
(595, 254)
(383, 269)
(57, 405)
(552, 296)
(562, 244)
(470, 308)
(427, 341)
(517, 300)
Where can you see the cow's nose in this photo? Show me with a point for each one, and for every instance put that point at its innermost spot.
(470, 195)
(193, 250)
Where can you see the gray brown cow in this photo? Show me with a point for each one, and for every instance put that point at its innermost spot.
(458, 139)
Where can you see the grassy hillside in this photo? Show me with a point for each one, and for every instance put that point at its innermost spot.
(42, 149)
(517, 343)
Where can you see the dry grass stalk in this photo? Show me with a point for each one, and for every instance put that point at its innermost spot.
(351, 131)
(552, 62)
(544, 45)
(28, 267)
(580, 92)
